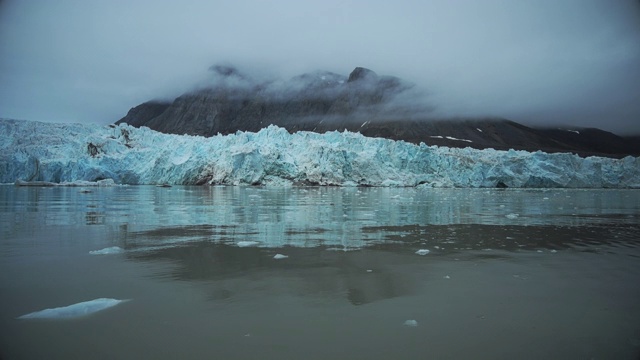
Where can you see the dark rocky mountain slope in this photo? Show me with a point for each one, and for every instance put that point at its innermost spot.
(376, 106)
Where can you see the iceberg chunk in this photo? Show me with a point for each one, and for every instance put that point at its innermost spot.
(75, 310)
(422, 252)
(107, 251)
(247, 243)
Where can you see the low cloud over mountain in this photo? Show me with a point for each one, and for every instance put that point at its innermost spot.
(363, 101)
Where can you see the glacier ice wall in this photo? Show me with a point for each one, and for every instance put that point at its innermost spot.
(33, 151)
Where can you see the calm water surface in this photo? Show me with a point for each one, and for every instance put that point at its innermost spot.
(538, 274)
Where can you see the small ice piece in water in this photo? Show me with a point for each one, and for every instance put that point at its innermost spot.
(369, 270)
(447, 277)
(512, 216)
(413, 323)
(75, 310)
(247, 243)
(343, 248)
(422, 252)
(554, 251)
(107, 251)
(280, 256)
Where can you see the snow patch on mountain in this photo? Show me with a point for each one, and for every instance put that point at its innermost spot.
(33, 151)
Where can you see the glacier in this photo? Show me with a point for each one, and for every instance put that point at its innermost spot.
(79, 153)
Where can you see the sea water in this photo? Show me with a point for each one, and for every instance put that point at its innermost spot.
(319, 273)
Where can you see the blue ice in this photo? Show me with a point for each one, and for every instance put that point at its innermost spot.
(75, 310)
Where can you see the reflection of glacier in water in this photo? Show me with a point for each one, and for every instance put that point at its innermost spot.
(337, 218)
(354, 218)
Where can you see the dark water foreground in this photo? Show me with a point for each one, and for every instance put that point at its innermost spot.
(509, 274)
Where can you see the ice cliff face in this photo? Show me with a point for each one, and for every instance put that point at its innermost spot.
(33, 151)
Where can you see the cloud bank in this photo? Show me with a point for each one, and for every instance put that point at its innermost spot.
(574, 62)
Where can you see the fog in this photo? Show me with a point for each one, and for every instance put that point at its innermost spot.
(538, 62)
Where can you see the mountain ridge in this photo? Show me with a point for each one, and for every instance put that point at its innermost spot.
(374, 105)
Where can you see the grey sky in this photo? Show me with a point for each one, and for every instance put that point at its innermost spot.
(533, 61)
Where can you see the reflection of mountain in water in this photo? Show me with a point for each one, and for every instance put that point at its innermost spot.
(363, 276)
(233, 271)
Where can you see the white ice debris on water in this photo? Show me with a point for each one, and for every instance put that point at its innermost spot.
(75, 183)
(107, 251)
(280, 256)
(512, 216)
(247, 243)
(75, 310)
(412, 323)
(422, 252)
(52, 153)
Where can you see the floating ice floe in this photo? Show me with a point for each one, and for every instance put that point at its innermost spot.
(107, 251)
(280, 256)
(512, 216)
(247, 243)
(413, 323)
(75, 310)
(422, 252)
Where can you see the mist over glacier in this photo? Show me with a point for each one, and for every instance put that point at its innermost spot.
(33, 151)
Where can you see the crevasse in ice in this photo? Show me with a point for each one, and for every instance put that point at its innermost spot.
(33, 151)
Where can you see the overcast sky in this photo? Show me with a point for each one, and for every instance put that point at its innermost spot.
(533, 61)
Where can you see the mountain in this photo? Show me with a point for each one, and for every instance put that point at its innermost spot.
(364, 102)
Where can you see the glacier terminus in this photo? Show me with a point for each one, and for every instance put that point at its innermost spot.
(58, 153)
